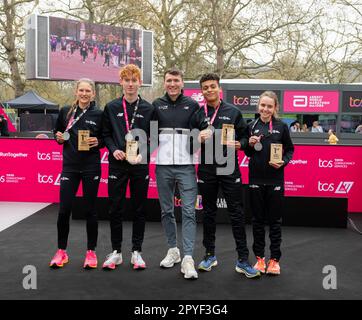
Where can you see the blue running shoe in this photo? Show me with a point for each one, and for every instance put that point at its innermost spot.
(245, 268)
(208, 262)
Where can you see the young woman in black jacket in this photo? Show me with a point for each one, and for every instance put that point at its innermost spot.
(266, 179)
(78, 129)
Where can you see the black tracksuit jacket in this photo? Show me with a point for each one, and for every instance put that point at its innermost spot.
(227, 114)
(81, 161)
(115, 130)
(260, 171)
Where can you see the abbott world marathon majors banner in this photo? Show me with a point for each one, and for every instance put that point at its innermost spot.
(30, 172)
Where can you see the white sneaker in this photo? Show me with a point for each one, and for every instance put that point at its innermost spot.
(172, 257)
(112, 260)
(188, 268)
(137, 260)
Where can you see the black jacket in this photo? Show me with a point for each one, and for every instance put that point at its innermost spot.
(260, 171)
(4, 132)
(115, 130)
(81, 161)
(174, 127)
(227, 114)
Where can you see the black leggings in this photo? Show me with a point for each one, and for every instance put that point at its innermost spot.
(68, 187)
(266, 202)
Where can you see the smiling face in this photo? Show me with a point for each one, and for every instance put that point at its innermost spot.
(266, 108)
(173, 85)
(211, 91)
(84, 94)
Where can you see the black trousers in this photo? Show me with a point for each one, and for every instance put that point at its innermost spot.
(69, 184)
(118, 178)
(231, 186)
(266, 202)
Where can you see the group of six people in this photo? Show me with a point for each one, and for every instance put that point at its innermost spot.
(183, 133)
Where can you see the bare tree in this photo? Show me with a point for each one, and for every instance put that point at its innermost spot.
(12, 13)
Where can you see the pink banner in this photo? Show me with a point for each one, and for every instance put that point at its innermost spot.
(311, 101)
(30, 172)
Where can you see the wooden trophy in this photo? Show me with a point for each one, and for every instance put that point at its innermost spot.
(83, 136)
(227, 133)
(276, 153)
(131, 150)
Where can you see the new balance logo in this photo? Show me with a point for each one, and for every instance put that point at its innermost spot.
(120, 114)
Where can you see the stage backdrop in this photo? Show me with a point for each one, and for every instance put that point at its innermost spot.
(30, 171)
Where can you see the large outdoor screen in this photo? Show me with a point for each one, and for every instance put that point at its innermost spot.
(63, 49)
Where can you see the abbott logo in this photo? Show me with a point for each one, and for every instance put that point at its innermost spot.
(325, 163)
(344, 187)
(43, 156)
(105, 158)
(300, 101)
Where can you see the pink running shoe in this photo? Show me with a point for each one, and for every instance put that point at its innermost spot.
(137, 261)
(59, 259)
(90, 261)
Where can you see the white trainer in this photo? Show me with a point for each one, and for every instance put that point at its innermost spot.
(112, 260)
(172, 257)
(188, 268)
(137, 261)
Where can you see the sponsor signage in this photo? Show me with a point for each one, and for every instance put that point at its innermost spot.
(311, 101)
(352, 101)
(197, 95)
(246, 100)
(30, 172)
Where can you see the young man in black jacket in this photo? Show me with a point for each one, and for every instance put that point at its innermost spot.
(126, 127)
(223, 132)
(175, 165)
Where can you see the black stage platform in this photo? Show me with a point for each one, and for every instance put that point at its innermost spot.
(306, 251)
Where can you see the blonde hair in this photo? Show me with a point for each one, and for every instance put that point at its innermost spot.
(271, 95)
(130, 70)
(75, 102)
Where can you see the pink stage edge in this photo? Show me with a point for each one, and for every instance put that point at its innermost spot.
(30, 172)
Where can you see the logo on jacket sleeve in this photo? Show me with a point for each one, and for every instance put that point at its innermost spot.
(90, 122)
(163, 107)
(120, 114)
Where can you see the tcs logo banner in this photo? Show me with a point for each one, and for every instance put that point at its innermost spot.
(344, 187)
(43, 156)
(49, 179)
